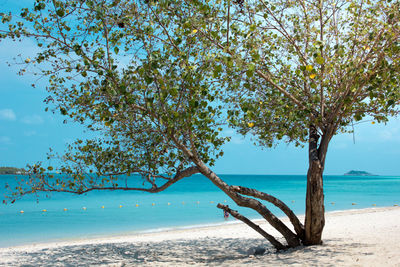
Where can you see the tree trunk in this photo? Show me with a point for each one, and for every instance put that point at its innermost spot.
(290, 237)
(298, 227)
(315, 209)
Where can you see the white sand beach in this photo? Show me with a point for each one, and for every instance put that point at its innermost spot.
(366, 237)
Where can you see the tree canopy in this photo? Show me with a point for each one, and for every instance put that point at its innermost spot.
(305, 70)
(290, 64)
(135, 74)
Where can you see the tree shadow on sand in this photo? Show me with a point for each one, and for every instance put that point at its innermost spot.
(206, 252)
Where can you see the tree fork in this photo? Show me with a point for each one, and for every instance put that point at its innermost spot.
(278, 245)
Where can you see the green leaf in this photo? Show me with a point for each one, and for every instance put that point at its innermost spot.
(391, 102)
(63, 111)
(320, 60)
(217, 71)
(250, 70)
(250, 73)
(60, 12)
(173, 92)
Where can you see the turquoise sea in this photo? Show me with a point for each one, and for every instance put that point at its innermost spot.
(191, 202)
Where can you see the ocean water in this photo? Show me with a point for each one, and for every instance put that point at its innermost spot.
(191, 202)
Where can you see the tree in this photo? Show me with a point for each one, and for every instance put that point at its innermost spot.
(152, 77)
(304, 71)
(136, 73)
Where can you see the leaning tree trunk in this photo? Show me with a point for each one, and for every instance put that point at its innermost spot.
(238, 195)
(315, 208)
(291, 238)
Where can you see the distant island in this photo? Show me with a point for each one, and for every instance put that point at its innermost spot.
(359, 173)
(11, 170)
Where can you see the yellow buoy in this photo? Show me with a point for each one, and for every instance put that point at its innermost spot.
(102, 207)
(333, 203)
(137, 205)
(374, 205)
(120, 206)
(84, 208)
(153, 204)
(169, 203)
(211, 202)
(21, 211)
(65, 209)
(44, 210)
(353, 204)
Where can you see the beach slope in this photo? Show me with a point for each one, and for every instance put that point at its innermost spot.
(367, 237)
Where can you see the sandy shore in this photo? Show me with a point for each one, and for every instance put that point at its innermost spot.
(368, 237)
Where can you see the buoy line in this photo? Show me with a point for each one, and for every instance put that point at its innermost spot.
(197, 202)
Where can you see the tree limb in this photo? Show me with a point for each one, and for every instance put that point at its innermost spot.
(298, 226)
(270, 238)
(154, 189)
(280, 89)
(291, 238)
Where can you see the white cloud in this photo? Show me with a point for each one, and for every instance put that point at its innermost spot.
(5, 140)
(30, 133)
(236, 138)
(7, 114)
(26, 48)
(68, 140)
(340, 145)
(390, 134)
(32, 119)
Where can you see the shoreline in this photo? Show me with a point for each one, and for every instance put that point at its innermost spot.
(170, 230)
(149, 232)
(357, 237)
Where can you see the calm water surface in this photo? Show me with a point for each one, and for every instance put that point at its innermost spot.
(192, 202)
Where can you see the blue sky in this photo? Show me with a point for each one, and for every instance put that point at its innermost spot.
(27, 133)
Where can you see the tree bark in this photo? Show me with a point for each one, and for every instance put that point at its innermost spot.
(315, 208)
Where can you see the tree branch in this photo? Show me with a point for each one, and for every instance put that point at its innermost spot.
(270, 238)
(154, 189)
(298, 226)
(291, 238)
(262, 75)
(280, 89)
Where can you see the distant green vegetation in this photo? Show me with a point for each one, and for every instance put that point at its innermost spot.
(11, 170)
(359, 173)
